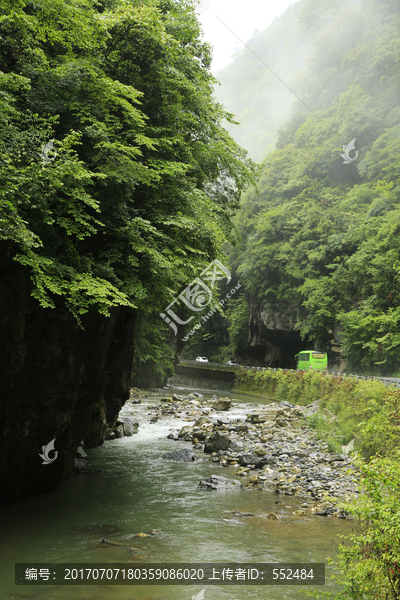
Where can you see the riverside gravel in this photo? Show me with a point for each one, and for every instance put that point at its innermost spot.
(271, 448)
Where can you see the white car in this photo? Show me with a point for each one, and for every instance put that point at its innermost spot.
(202, 359)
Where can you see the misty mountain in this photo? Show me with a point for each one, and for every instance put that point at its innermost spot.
(320, 243)
(260, 86)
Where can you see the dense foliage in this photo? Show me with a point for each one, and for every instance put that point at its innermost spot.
(117, 180)
(320, 233)
(350, 408)
(369, 560)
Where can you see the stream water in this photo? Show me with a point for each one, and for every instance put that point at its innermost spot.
(140, 492)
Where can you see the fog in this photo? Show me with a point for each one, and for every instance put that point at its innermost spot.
(242, 17)
(265, 75)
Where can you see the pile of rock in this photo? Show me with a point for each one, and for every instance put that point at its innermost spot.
(272, 449)
(125, 426)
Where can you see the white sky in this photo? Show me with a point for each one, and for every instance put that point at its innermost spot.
(242, 16)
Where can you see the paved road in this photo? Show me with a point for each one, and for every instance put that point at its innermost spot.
(394, 380)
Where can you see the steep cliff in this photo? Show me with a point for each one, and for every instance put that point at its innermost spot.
(57, 382)
(274, 339)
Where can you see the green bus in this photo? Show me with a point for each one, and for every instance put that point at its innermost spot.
(312, 360)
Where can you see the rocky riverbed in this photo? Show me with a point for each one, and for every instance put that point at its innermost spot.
(270, 448)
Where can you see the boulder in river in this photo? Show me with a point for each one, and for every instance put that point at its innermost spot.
(215, 482)
(201, 421)
(182, 455)
(257, 418)
(274, 517)
(222, 404)
(130, 428)
(128, 425)
(119, 431)
(217, 441)
(186, 430)
(80, 460)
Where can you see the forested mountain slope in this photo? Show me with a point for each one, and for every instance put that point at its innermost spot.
(259, 86)
(319, 233)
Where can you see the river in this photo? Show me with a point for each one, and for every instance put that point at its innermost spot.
(132, 490)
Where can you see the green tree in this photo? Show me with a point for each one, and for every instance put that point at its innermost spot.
(137, 195)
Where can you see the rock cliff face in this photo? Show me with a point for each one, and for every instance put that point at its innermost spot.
(57, 382)
(273, 341)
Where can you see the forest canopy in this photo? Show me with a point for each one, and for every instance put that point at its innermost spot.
(117, 179)
(321, 232)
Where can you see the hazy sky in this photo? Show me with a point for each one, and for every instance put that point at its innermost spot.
(242, 16)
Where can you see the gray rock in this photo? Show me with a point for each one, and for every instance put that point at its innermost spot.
(80, 453)
(201, 421)
(265, 460)
(186, 430)
(80, 464)
(119, 431)
(247, 459)
(110, 434)
(242, 428)
(182, 455)
(215, 482)
(130, 429)
(283, 457)
(217, 441)
(286, 404)
(237, 445)
(257, 418)
(128, 425)
(222, 404)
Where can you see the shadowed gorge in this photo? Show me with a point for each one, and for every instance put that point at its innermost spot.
(53, 375)
(117, 183)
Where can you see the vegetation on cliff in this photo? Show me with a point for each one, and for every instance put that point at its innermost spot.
(117, 180)
(368, 412)
(350, 408)
(320, 233)
(117, 183)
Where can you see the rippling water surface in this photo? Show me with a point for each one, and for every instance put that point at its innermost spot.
(140, 493)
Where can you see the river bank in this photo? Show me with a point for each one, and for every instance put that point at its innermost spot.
(261, 446)
(129, 489)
